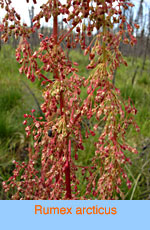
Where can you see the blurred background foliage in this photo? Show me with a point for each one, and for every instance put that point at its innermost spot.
(18, 96)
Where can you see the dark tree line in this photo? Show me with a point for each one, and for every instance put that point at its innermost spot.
(140, 16)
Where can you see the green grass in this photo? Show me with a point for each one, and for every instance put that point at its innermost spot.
(15, 100)
(82, 60)
(139, 94)
(9, 97)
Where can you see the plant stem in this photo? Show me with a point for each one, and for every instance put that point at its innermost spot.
(67, 173)
(67, 169)
(66, 34)
(55, 34)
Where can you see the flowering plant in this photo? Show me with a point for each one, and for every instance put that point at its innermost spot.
(52, 169)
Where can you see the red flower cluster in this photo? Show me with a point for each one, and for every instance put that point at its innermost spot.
(51, 172)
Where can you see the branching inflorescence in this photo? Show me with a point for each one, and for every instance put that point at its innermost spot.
(52, 169)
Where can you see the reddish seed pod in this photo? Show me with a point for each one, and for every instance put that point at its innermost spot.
(25, 122)
(18, 16)
(25, 115)
(92, 55)
(78, 29)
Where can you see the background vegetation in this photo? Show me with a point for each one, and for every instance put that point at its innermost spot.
(18, 96)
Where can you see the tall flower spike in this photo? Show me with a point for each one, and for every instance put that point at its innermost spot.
(53, 167)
